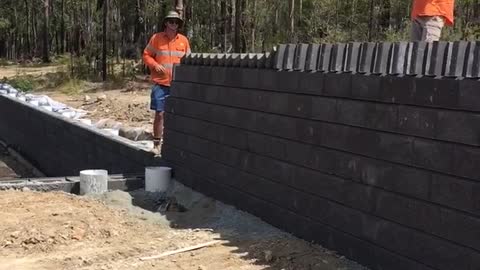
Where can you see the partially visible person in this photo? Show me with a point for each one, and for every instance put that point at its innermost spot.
(429, 17)
(163, 51)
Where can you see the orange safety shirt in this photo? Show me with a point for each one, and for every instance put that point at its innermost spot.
(434, 8)
(167, 52)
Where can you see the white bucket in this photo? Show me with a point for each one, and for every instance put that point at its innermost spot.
(157, 179)
(93, 181)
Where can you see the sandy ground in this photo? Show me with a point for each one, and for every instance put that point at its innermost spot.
(64, 231)
(14, 70)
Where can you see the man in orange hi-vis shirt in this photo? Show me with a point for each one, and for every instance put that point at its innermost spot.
(163, 51)
(429, 17)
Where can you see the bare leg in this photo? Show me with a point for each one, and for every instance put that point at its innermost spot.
(157, 129)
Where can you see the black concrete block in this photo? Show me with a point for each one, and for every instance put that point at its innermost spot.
(289, 59)
(244, 60)
(353, 57)
(229, 59)
(338, 85)
(300, 57)
(382, 117)
(269, 59)
(436, 59)
(286, 81)
(249, 78)
(324, 108)
(392, 177)
(335, 136)
(312, 56)
(456, 192)
(429, 217)
(186, 60)
(395, 148)
(324, 57)
(266, 145)
(311, 83)
(337, 60)
(385, 259)
(468, 95)
(417, 121)
(366, 87)
(383, 56)
(434, 155)
(416, 64)
(280, 57)
(205, 59)
(456, 59)
(259, 60)
(447, 93)
(425, 92)
(299, 105)
(365, 142)
(272, 169)
(213, 59)
(268, 101)
(276, 125)
(269, 79)
(466, 161)
(308, 131)
(221, 59)
(462, 127)
(237, 59)
(351, 112)
(473, 70)
(440, 254)
(400, 54)
(367, 58)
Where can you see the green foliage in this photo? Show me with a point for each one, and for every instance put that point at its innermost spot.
(23, 83)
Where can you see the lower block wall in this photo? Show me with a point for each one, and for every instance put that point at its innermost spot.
(61, 147)
(391, 185)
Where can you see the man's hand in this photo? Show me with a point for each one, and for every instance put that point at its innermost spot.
(160, 69)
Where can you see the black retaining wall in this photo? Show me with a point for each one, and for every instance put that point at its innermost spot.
(381, 167)
(61, 147)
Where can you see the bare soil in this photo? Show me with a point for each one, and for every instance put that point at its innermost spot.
(63, 231)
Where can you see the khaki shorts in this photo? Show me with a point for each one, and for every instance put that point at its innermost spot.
(427, 28)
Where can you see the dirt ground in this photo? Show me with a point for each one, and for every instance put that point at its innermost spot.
(64, 231)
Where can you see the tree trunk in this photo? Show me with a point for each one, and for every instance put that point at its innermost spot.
(224, 16)
(292, 19)
(62, 28)
(104, 41)
(237, 26)
(27, 35)
(45, 57)
(253, 25)
(179, 7)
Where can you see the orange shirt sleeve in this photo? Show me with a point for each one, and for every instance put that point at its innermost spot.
(149, 53)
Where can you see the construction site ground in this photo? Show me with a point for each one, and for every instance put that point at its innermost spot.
(116, 230)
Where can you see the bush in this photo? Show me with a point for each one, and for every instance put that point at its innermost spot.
(23, 83)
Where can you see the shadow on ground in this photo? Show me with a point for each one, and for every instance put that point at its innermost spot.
(250, 238)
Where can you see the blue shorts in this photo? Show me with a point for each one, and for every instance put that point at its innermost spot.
(158, 97)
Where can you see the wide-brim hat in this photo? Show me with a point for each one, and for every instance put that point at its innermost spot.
(173, 15)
